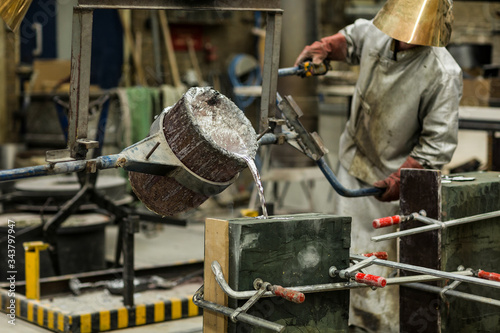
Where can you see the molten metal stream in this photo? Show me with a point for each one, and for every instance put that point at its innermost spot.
(258, 182)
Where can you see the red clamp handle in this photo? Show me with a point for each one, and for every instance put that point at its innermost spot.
(379, 255)
(288, 294)
(386, 221)
(371, 280)
(489, 276)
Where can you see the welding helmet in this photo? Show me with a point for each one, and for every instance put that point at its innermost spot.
(420, 22)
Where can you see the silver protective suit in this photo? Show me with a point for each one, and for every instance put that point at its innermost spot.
(403, 107)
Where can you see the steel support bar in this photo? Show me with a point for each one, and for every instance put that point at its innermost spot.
(129, 227)
(345, 273)
(458, 294)
(424, 278)
(438, 225)
(52, 225)
(270, 70)
(429, 271)
(247, 5)
(81, 48)
(243, 317)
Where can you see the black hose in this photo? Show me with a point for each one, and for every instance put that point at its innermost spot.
(340, 189)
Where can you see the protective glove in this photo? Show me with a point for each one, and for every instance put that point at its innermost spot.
(331, 48)
(392, 183)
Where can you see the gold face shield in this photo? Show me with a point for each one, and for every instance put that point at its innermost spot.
(13, 11)
(420, 22)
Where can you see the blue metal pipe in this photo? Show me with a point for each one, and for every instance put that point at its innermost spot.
(332, 179)
(102, 162)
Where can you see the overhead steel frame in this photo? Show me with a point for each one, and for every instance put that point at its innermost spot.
(78, 142)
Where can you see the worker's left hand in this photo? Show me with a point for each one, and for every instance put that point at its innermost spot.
(392, 183)
(328, 48)
(315, 52)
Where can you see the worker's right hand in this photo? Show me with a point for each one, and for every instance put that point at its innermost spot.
(331, 48)
(391, 184)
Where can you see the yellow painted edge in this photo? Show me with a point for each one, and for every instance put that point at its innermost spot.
(159, 311)
(50, 319)
(104, 320)
(18, 308)
(176, 308)
(140, 314)
(30, 312)
(56, 319)
(85, 323)
(40, 316)
(122, 317)
(192, 308)
(32, 272)
(60, 322)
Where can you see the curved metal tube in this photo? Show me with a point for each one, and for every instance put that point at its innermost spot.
(271, 138)
(219, 277)
(340, 189)
(243, 317)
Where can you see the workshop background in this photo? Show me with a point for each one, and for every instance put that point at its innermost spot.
(144, 61)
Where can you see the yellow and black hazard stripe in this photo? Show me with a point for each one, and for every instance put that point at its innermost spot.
(35, 313)
(141, 314)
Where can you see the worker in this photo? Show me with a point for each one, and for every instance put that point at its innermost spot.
(404, 114)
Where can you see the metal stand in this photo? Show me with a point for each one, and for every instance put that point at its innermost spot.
(79, 143)
(131, 225)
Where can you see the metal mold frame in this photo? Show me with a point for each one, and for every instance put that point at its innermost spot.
(81, 59)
